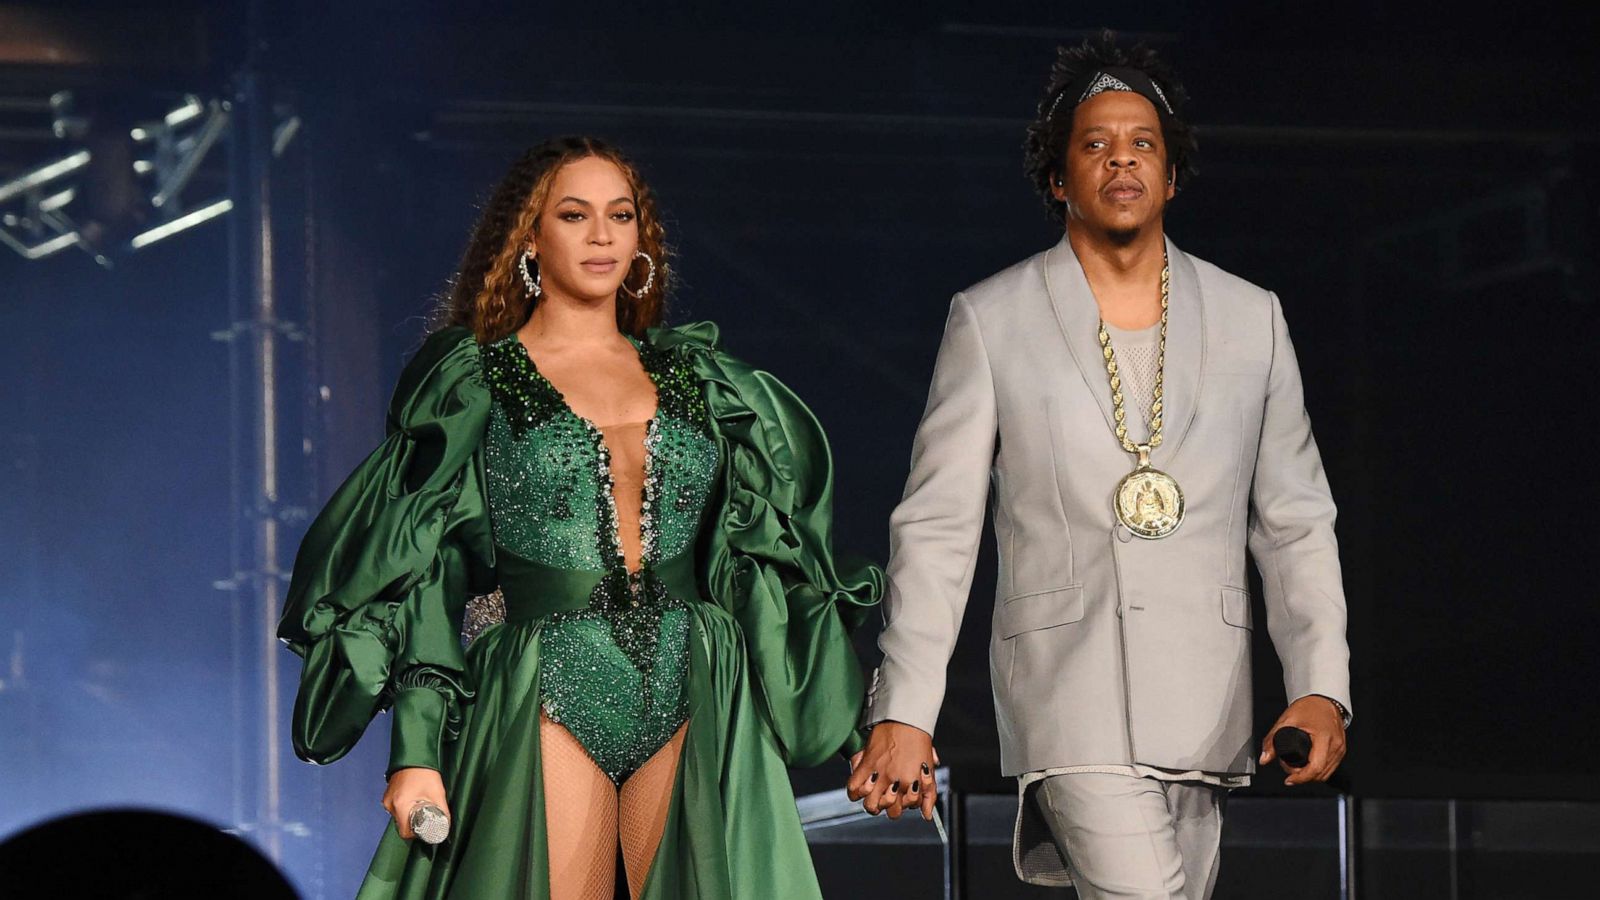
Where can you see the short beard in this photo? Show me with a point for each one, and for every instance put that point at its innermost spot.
(1118, 237)
(1123, 237)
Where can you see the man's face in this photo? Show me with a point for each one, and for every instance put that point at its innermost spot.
(1115, 178)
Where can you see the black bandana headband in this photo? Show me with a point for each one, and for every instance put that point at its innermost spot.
(1116, 78)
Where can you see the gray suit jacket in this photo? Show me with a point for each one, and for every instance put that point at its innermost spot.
(1107, 648)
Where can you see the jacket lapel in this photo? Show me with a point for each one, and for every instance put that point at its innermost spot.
(1078, 316)
(1186, 351)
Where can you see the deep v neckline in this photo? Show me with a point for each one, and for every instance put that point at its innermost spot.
(612, 547)
(561, 399)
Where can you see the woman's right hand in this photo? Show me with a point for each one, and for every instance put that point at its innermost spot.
(406, 788)
(894, 772)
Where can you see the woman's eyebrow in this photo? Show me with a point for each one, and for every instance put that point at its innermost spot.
(581, 202)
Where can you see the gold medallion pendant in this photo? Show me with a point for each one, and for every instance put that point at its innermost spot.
(1149, 503)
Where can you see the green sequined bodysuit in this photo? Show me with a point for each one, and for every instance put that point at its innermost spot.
(614, 671)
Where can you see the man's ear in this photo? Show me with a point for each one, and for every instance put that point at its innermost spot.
(1058, 186)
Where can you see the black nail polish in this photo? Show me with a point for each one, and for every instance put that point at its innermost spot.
(925, 770)
(916, 787)
(873, 779)
(894, 787)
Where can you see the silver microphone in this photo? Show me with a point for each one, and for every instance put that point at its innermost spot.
(429, 822)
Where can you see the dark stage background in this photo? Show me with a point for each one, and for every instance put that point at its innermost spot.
(1420, 189)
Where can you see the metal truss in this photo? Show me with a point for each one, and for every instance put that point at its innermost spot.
(35, 217)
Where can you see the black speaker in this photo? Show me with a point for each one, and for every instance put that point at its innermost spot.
(129, 854)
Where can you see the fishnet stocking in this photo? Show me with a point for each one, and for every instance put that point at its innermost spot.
(645, 798)
(580, 806)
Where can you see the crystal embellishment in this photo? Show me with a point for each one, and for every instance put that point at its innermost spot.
(1105, 82)
(483, 611)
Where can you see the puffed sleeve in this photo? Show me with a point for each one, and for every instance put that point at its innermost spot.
(383, 575)
(770, 559)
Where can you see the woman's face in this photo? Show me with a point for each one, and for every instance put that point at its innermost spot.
(588, 231)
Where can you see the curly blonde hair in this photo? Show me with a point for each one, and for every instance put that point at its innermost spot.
(487, 294)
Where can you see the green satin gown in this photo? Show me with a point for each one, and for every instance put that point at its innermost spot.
(488, 486)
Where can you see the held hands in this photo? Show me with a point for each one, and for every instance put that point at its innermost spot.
(1318, 717)
(406, 787)
(895, 771)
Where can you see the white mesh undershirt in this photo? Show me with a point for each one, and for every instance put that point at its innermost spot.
(1136, 353)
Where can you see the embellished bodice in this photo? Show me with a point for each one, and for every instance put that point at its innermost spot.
(549, 472)
(566, 495)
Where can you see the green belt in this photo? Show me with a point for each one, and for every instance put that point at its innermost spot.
(533, 590)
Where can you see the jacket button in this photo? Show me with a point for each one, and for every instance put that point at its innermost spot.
(1122, 532)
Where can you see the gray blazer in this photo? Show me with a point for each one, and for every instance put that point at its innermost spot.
(1107, 648)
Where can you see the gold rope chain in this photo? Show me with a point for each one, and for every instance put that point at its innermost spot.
(1116, 380)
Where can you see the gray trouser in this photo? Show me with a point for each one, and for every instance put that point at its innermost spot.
(1133, 838)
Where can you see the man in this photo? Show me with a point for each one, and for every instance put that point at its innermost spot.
(1136, 416)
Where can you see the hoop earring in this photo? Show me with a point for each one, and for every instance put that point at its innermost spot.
(649, 279)
(530, 280)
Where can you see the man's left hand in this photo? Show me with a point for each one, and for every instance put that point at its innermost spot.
(1317, 716)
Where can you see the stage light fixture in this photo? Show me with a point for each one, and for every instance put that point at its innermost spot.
(41, 228)
(187, 220)
(43, 175)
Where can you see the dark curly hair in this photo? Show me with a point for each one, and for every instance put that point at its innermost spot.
(1045, 149)
(487, 294)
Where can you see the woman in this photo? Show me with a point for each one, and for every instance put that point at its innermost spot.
(669, 629)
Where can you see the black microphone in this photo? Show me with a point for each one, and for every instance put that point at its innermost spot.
(1293, 746)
